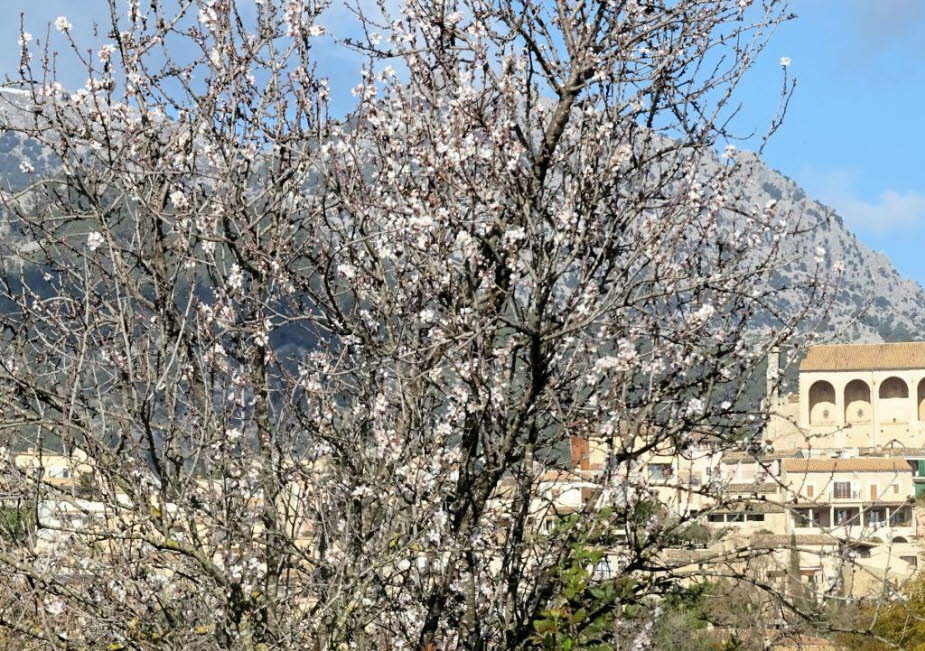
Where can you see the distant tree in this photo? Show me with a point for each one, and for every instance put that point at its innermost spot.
(896, 624)
(16, 522)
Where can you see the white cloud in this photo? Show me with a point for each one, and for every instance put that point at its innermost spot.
(891, 210)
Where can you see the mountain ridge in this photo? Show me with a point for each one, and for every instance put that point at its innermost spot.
(873, 303)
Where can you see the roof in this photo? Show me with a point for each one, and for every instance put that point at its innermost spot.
(739, 456)
(765, 487)
(865, 357)
(781, 540)
(750, 507)
(860, 464)
(559, 476)
(898, 451)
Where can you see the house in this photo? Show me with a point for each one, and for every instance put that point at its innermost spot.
(856, 498)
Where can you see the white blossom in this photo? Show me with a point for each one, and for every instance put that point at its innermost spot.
(235, 280)
(62, 24)
(179, 200)
(704, 313)
(54, 607)
(105, 53)
(695, 407)
(95, 240)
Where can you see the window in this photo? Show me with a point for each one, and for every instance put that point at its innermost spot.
(900, 517)
(810, 490)
(912, 560)
(717, 517)
(862, 552)
(736, 517)
(895, 489)
(841, 490)
(755, 517)
(843, 516)
(804, 518)
(875, 516)
(659, 471)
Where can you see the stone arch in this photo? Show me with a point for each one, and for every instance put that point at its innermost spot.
(899, 539)
(821, 403)
(875, 540)
(921, 398)
(894, 401)
(857, 402)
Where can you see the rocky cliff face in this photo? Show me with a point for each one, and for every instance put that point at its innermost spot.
(873, 302)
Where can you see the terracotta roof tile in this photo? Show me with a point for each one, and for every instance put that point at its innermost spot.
(751, 507)
(865, 357)
(860, 464)
(779, 540)
(766, 487)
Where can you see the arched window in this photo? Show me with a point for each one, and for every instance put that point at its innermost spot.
(821, 403)
(894, 387)
(899, 539)
(857, 402)
(921, 399)
(894, 401)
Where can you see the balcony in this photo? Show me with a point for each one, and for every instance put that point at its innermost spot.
(854, 522)
(844, 495)
(883, 531)
(918, 467)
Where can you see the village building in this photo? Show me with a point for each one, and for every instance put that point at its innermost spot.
(865, 397)
(837, 476)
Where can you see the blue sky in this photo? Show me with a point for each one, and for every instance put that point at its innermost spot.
(854, 136)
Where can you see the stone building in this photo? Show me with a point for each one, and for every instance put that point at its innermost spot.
(839, 475)
(856, 498)
(855, 396)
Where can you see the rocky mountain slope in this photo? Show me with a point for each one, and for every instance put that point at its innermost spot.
(873, 302)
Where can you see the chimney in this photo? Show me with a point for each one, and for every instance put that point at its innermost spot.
(581, 451)
(773, 376)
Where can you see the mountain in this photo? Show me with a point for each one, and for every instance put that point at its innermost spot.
(873, 302)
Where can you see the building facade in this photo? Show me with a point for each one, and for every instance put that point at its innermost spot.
(840, 471)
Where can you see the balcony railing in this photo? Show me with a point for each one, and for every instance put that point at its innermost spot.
(844, 495)
(854, 529)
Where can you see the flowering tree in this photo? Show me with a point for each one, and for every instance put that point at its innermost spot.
(317, 366)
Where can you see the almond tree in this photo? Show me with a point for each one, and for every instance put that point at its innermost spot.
(318, 362)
